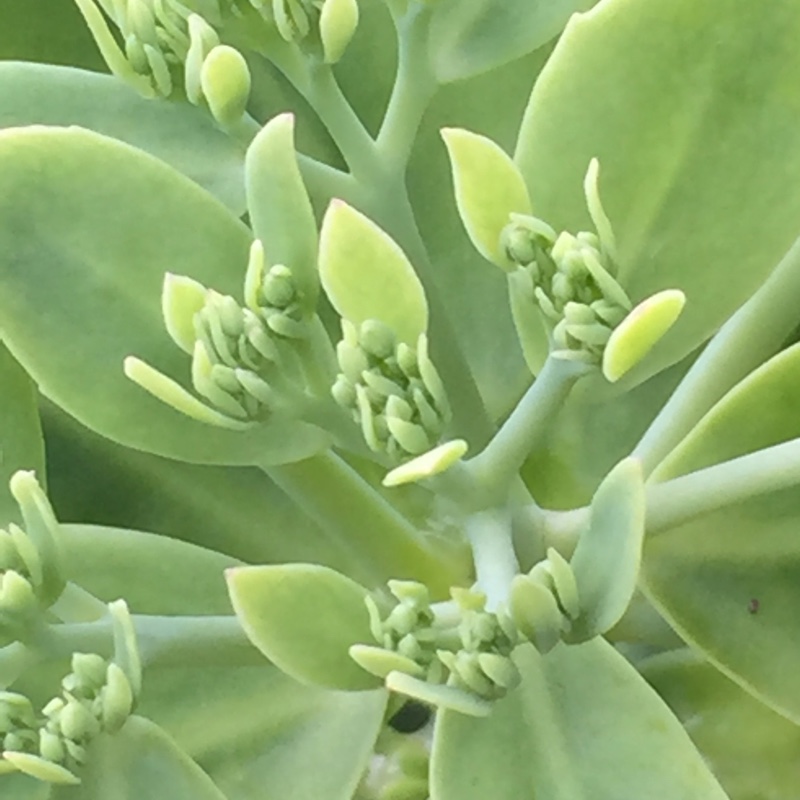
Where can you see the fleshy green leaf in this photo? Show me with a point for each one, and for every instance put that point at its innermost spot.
(474, 37)
(21, 445)
(142, 760)
(367, 276)
(760, 758)
(304, 618)
(102, 247)
(728, 583)
(279, 206)
(697, 117)
(488, 189)
(582, 724)
(640, 331)
(179, 134)
(606, 559)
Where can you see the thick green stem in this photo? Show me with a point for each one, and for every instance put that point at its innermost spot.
(77, 605)
(347, 131)
(682, 499)
(753, 334)
(387, 545)
(495, 469)
(490, 537)
(163, 641)
(414, 88)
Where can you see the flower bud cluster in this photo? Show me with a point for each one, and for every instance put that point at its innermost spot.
(332, 22)
(461, 643)
(571, 279)
(469, 648)
(96, 697)
(31, 577)
(174, 44)
(245, 360)
(393, 391)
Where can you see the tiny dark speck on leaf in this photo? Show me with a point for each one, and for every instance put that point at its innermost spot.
(753, 605)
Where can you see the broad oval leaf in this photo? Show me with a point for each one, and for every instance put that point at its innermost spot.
(729, 583)
(760, 760)
(366, 275)
(101, 247)
(177, 133)
(468, 38)
(488, 189)
(582, 724)
(304, 618)
(142, 760)
(688, 116)
(21, 443)
(279, 206)
(606, 559)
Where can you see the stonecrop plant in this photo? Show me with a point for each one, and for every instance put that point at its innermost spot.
(420, 390)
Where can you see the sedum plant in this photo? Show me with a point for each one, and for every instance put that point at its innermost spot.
(419, 386)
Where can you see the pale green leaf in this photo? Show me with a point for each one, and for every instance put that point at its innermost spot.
(179, 134)
(759, 760)
(488, 189)
(606, 559)
(142, 760)
(583, 724)
(101, 248)
(279, 206)
(698, 135)
(304, 618)
(366, 275)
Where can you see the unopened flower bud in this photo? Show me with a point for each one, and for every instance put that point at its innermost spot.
(337, 25)
(225, 81)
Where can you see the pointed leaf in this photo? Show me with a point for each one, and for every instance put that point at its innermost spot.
(488, 189)
(606, 560)
(279, 206)
(640, 331)
(367, 276)
(304, 618)
(760, 759)
(179, 134)
(582, 724)
(101, 248)
(669, 197)
(21, 444)
(142, 760)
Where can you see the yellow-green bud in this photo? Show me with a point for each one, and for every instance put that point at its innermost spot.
(225, 81)
(337, 25)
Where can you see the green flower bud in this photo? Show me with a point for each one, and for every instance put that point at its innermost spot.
(90, 671)
(278, 287)
(77, 722)
(337, 25)
(116, 699)
(40, 768)
(380, 662)
(225, 82)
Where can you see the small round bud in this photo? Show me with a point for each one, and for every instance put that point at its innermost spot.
(337, 25)
(225, 81)
(278, 287)
(376, 338)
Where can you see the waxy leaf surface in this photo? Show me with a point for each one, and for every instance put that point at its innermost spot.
(304, 618)
(142, 760)
(179, 134)
(759, 760)
(582, 724)
(729, 581)
(98, 227)
(696, 126)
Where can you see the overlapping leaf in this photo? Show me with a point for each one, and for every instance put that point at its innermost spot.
(99, 228)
